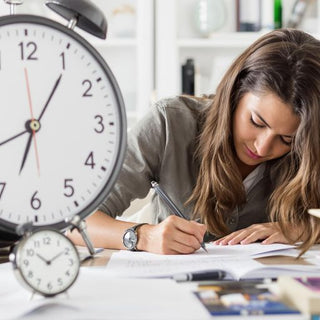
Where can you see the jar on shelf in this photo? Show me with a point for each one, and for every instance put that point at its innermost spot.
(210, 16)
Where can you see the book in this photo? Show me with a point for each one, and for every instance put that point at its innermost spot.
(229, 300)
(303, 293)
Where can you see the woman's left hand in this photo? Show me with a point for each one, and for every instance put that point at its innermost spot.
(267, 232)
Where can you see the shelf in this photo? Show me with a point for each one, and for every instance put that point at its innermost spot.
(109, 42)
(219, 40)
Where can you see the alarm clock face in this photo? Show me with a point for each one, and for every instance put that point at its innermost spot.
(62, 136)
(46, 262)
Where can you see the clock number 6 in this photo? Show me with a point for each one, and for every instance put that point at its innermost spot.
(35, 202)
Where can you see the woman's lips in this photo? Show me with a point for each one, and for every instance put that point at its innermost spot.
(251, 154)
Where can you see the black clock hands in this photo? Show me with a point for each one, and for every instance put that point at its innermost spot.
(26, 151)
(48, 262)
(51, 95)
(43, 259)
(57, 256)
(14, 137)
(33, 125)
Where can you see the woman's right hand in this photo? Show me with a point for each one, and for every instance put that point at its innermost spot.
(173, 235)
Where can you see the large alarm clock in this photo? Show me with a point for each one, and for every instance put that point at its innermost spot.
(62, 119)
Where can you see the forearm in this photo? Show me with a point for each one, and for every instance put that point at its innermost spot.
(103, 230)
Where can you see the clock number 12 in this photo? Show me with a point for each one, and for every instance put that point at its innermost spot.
(31, 47)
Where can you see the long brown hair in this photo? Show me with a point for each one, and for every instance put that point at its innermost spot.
(285, 62)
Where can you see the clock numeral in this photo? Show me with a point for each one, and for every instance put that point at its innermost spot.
(26, 262)
(30, 252)
(90, 161)
(38, 282)
(88, 86)
(71, 262)
(63, 60)
(30, 274)
(31, 47)
(68, 187)
(67, 273)
(60, 282)
(35, 202)
(46, 240)
(2, 186)
(49, 286)
(100, 128)
(36, 244)
(66, 251)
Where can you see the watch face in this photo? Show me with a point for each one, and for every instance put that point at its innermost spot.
(47, 262)
(62, 121)
(130, 239)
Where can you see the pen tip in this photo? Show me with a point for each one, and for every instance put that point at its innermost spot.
(203, 246)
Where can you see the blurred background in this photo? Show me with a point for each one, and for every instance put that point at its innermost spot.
(160, 48)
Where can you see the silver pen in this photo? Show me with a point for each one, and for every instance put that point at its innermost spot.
(171, 205)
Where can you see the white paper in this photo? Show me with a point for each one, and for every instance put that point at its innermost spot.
(236, 260)
(95, 295)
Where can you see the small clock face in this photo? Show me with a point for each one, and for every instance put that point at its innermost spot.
(62, 136)
(47, 262)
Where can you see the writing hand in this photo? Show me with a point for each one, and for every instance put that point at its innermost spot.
(174, 235)
(14, 137)
(268, 232)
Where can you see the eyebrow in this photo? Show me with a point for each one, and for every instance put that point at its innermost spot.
(266, 123)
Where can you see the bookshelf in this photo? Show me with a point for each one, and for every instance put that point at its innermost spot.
(128, 49)
(178, 39)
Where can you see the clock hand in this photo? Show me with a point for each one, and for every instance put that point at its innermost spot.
(12, 138)
(57, 256)
(26, 151)
(32, 126)
(50, 96)
(43, 259)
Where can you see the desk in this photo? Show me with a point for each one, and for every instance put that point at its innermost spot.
(98, 296)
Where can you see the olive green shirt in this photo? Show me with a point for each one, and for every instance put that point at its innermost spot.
(161, 147)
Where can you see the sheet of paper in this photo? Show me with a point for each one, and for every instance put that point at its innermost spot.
(239, 250)
(95, 295)
(236, 260)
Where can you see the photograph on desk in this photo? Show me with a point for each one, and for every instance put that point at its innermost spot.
(229, 300)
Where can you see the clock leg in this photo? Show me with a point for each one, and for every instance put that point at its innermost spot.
(80, 224)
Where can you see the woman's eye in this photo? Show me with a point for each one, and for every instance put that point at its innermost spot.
(256, 124)
(286, 142)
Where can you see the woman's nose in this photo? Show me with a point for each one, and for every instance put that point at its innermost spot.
(263, 144)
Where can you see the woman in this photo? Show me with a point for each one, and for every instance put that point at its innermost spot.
(246, 162)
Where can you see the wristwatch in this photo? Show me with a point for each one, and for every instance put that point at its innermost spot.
(130, 237)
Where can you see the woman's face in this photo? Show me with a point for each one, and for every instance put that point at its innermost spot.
(263, 128)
